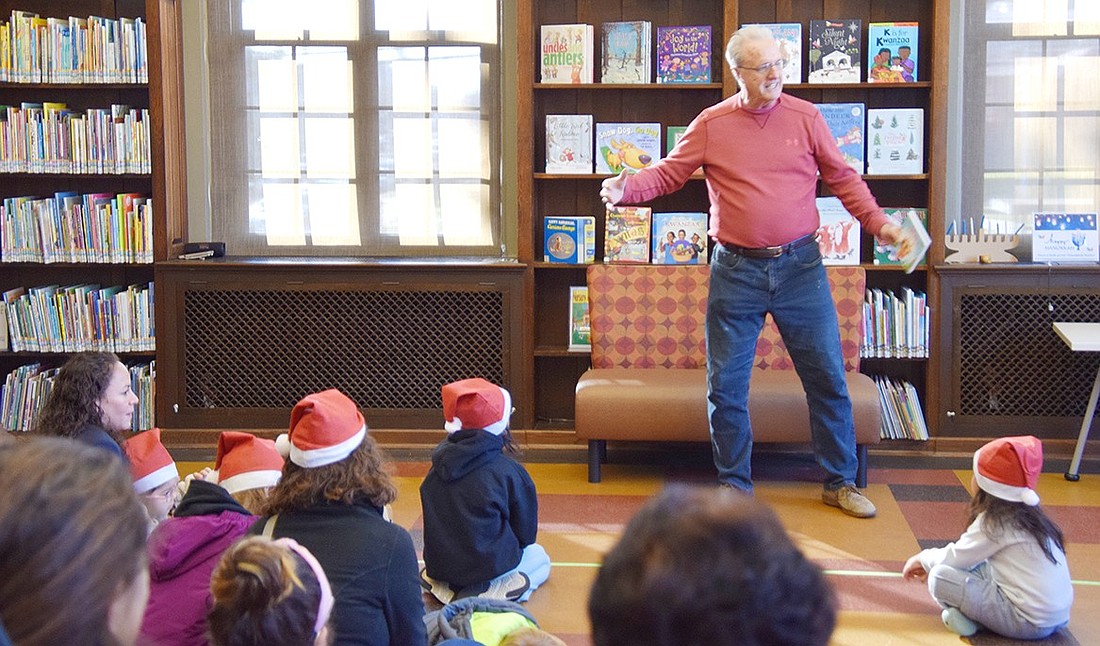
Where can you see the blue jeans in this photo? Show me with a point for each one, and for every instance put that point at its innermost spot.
(795, 290)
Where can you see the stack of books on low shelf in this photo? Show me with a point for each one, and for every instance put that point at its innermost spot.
(75, 318)
(49, 138)
(143, 379)
(895, 327)
(70, 227)
(902, 414)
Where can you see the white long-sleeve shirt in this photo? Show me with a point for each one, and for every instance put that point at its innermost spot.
(1040, 589)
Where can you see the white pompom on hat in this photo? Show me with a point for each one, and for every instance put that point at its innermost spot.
(150, 463)
(245, 462)
(476, 404)
(1009, 468)
(325, 427)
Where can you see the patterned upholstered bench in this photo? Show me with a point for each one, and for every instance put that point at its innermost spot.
(648, 378)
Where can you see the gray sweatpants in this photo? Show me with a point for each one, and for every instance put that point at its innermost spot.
(977, 596)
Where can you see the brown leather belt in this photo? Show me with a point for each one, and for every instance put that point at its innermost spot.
(771, 252)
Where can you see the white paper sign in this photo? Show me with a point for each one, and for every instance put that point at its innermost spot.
(1065, 237)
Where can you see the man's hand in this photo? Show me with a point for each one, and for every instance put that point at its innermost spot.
(611, 191)
(890, 233)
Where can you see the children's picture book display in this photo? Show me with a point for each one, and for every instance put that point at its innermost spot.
(626, 53)
(838, 233)
(626, 234)
(1065, 237)
(892, 52)
(788, 35)
(895, 141)
(846, 123)
(672, 137)
(566, 53)
(683, 54)
(888, 254)
(915, 241)
(835, 51)
(679, 238)
(569, 143)
(580, 329)
(630, 146)
(569, 239)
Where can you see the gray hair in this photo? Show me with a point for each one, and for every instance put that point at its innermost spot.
(744, 35)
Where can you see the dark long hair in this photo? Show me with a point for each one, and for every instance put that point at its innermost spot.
(73, 403)
(72, 534)
(1003, 514)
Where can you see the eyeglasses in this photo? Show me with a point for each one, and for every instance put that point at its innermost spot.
(766, 67)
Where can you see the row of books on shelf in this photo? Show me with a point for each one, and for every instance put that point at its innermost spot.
(834, 52)
(51, 138)
(73, 318)
(92, 49)
(878, 141)
(895, 325)
(25, 390)
(635, 234)
(70, 227)
(567, 53)
(902, 414)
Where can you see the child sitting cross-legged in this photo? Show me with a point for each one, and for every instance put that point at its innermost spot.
(480, 505)
(1007, 572)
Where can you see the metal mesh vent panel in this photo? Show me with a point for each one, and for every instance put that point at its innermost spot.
(385, 349)
(1013, 363)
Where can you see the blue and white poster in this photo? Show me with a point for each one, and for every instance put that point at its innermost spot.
(1065, 237)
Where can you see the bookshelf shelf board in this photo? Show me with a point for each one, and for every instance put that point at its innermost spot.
(8, 85)
(559, 265)
(858, 86)
(31, 355)
(71, 265)
(590, 176)
(629, 86)
(560, 351)
(874, 267)
(862, 359)
(81, 175)
(896, 178)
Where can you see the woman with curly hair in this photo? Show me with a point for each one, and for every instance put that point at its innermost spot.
(330, 499)
(72, 545)
(91, 401)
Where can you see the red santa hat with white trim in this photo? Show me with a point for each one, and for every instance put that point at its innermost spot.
(476, 404)
(245, 462)
(325, 427)
(150, 463)
(1009, 468)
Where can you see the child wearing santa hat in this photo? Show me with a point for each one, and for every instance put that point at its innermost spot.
(154, 474)
(1008, 571)
(216, 510)
(480, 506)
(330, 500)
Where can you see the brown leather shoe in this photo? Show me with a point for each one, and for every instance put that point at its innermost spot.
(850, 501)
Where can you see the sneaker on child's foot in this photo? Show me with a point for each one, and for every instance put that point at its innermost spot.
(849, 500)
(958, 623)
(437, 589)
(508, 588)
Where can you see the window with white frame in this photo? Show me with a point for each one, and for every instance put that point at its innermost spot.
(1029, 135)
(354, 127)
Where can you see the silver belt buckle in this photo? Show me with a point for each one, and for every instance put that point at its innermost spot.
(774, 251)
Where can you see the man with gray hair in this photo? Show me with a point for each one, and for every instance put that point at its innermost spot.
(762, 151)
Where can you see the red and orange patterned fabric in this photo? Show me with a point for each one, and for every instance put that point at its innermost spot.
(653, 316)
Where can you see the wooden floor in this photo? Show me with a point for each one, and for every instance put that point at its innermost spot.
(917, 508)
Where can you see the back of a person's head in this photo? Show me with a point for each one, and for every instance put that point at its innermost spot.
(707, 566)
(72, 543)
(74, 396)
(266, 592)
(530, 637)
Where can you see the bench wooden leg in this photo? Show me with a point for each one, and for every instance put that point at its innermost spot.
(861, 468)
(597, 453)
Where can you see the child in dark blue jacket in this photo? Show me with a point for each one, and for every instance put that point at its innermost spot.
(480, 506)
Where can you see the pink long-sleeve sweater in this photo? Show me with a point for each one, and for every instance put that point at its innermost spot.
(761, 171)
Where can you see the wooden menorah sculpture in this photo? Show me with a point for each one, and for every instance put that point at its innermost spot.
(982, 247)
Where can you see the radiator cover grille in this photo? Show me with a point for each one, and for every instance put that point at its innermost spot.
(392, 350)
(1011, 362)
